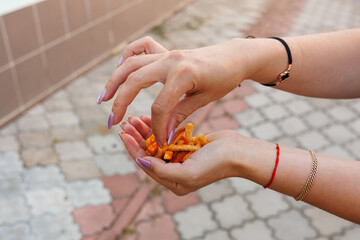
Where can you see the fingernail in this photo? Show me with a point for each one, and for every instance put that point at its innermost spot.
(101, 96)
(158, 142)
(122, 124)
(110, 120)
(120, 62)
(129, 118)
(121, 133)
(171, 137)
(143, 163)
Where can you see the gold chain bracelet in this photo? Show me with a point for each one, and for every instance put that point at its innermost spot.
(310, 180)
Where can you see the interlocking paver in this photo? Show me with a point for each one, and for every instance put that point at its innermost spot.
(317, 119)
(312, 140)
(58, 105)
(199, 216)
(118, 163)
(299, 107)
(67, 133)
(280, 96)
(285, 228)
(248, 117)
(266, 131)
(80, 169)
(275, 112)
(35, 139)
(257, 100)
(326, 223)
(266, 203)
(39, 156)
(62, 118)
(19, 231)
(339, 133)
(355, 125)
(216, 235)
(215, 191)
(60, 226)
(84, 193)
(337, 151)
(43, 177)
(10, 162)
(106, 144)
(256, 230)
(91, 114)
(341, 113)
(354, 147)
(11, 184)
(242, 185)
(8, 129)
(13, 209)
(175, 203)
(153, 207)
(292, 125)
(32, 123)
(162, 227)
(350, 234)
(232, 211)
(121, 186)
(48, 201)
(8, 143)
(75, 150)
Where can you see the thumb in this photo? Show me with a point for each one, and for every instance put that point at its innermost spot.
(159, 169)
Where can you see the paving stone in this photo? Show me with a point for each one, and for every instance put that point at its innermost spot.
(83, 193)
(350, 234)
(10, 162)
(93, 219)
(13, 209)
(234, 106)
(43, 177)
(11, 184)
(33, 123)
(8, 143)
(337, 151)
(48, 201)
(321, 103)
(326, 223)
(19, 231)
(91, 114)
(317, 119)
(286, 229)
(232, 211)
(61, 94)
(58, 105)
(299, 107)
(8, 129)
(355, 125)
(120, 204)
(242, 185)
(162, 227)
(223, 123)
(244, 132)
(292, 125)
(216, 235)
(35, 139)
(354, 147)
(80, 170)
(154, 206)
(248, 118)
(106, 144)
(267, 203)
(266, 131)
(275, 112)
(118, 163)
(281, 96)
(36, 110)
(62, 118)
(39, 156)
(341, 113)
(121, 186)
(287, 141)
(338, 133)
(175, 203)
(215, 191)
(312, 140)
(74, 150)
(256, 230)
(257, 100)
(199, 216)
(356, 106)
(58, 227)
(67, 133)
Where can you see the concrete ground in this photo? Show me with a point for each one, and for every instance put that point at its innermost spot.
(63, 175)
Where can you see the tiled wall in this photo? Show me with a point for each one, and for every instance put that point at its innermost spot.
(44, 46)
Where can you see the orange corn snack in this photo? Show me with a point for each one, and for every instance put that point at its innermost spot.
(183, 145)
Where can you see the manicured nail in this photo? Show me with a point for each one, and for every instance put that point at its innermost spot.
(101, 96)
(171, 137)
(143, 163)
(120, 62)
(110, 120)
(158, 142)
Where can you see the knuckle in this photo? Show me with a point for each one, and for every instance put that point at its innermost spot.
(185, 69)
(116, 104)
(157, 107)
(130, 61)
(135, 76)
(176, 55)
(148, 39)
(179, 117)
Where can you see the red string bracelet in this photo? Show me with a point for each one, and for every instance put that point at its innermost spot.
(276, 164)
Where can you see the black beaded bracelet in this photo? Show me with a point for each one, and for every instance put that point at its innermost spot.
(286, 74)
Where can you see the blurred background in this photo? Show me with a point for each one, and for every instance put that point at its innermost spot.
(63, 175)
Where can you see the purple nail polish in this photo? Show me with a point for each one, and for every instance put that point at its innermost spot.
(101, 96)
(158, 142)
(171, 137)
(143, 163)
(120, 62)
(110, 120)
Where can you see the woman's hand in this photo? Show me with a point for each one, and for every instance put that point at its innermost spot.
(215, 161)
(191, 78)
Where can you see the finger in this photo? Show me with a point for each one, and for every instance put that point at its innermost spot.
(130, 129)
(140, 126)
(145, 45)
(164, 105)
(132, 146)
(128, 67)
(142, 78)
(146, 119)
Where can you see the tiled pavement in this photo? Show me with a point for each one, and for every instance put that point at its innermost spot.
(63, 175)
